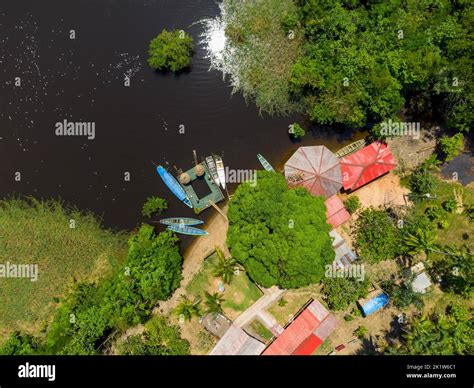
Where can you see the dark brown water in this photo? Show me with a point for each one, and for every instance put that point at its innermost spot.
(83, 80)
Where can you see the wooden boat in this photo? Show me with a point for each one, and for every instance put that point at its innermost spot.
(184, 221)
(220, 170)
(267, 166)
(173, 185)
(350, 148)
(187, 230)
(211, 165)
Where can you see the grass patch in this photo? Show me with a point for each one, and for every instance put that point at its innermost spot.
(239, 295)
(458, 223)
(261, 330)
(34, 232)
(295, 299)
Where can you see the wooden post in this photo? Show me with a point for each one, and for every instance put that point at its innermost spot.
(218, 209)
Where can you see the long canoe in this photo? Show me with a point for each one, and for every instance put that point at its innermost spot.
(267, 166)
(220, 170)
(211, 165)
(173, 185)
(184, 221)
(187, 230)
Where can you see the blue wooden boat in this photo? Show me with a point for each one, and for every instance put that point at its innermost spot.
(187, 230)
(173, 185)
(183, 221)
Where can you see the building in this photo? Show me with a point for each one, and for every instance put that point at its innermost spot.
(316, 169)
(345, 256)
(304, 335)
(365, 165)
(336, 213)
(236, 342)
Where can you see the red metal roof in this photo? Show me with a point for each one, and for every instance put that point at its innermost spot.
(301, 336)
(365, 165)
(336, 213)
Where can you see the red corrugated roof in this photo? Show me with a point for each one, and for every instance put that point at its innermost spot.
(365, 165)
(308, 346)
(336, 213)
(300, 338)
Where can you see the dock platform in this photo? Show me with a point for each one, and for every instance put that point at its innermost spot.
(201, 203)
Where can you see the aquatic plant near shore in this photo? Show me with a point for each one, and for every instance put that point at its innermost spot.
(249, 45)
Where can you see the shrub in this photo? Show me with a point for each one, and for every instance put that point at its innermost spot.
(450, 205)
(421, 181)
(434, 212)
(443, 224)
(171, 50)
(296, 131)
(450, 146)
(154, 205)
(352, 204)
(361, 332)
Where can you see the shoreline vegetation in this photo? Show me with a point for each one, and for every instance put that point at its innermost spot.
(349, 64)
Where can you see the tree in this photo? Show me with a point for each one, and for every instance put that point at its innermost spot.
(279, 235)
(376, 236)
(424, 240)
(225, 267)
(421, 182)
(160, 338)
(171, 50)
(402, 295)
(214, 303)
(187, 308)
(340, 292)
(155, 263)
(445, 334)
(450, 146)
(456, 270)
(154, 205)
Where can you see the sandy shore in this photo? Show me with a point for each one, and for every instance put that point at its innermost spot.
(201, 248)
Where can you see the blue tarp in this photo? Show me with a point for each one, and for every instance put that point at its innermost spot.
(375, 304)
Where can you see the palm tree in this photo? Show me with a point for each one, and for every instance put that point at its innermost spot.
(214, 303)
(423, 240)
(188, 308)
(224, 268)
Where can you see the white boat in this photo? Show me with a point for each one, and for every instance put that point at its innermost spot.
(267, 166)
(220, 170)
(211, 165)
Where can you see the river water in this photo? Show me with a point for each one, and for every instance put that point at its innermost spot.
(82, 79)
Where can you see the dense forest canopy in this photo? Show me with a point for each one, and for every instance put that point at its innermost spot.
(362, 62)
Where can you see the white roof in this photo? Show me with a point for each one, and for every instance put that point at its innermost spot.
(421, 283)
